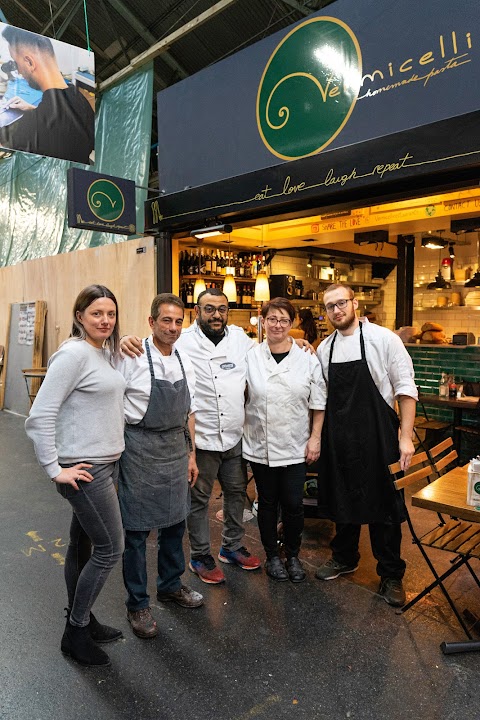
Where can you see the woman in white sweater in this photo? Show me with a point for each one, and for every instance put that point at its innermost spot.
(76, 424)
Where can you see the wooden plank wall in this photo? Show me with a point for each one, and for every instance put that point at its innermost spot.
(59, 279)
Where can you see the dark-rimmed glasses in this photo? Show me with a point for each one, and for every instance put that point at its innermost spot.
(272, 321)
(211, 309)
(340, 304)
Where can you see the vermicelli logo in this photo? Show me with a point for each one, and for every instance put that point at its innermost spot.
(309, 88)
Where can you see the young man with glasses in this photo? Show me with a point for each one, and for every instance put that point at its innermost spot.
(367, 369)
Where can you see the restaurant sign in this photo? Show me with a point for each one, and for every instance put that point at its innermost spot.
(343, 76)
(101, 202)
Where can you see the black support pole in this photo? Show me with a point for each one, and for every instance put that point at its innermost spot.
(406, 256)
(163, 249)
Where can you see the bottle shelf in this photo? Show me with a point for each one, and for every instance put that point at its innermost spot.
(216, 278)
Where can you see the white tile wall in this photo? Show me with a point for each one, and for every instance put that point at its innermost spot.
(453, 319)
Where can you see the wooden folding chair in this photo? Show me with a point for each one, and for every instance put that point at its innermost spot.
(459, 537)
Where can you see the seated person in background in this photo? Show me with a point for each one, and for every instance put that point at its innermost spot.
(306, 328)
(62, 125)
(17, 87)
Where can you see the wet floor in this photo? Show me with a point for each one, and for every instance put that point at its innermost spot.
(256, 650)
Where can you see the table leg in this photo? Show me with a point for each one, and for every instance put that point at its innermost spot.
(457, 434)
(448, 648)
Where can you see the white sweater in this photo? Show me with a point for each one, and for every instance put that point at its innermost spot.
(78, 414)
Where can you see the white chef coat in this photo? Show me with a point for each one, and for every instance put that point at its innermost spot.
(280, 395)
(389, 363)
(136, 372)
(220, 385)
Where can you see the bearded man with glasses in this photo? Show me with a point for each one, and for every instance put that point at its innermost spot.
(367, 369)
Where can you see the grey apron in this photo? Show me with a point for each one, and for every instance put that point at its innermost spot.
(153, 487)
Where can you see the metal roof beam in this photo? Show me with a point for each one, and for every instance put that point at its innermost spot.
(297, 6)
(56, 14)
(70, 15)
(160, 47)
(145, 33)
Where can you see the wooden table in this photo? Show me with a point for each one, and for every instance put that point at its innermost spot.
(448, 495)
(457, 405)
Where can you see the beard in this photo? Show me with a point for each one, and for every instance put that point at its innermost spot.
(205, 326)
(344, 323)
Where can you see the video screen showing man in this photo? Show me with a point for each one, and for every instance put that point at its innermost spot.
(62, 125)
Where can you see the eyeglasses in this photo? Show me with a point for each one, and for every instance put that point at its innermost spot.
(272, 321)
(211, 309)
(340, 304)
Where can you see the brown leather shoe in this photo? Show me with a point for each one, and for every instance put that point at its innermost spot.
(142, 622)
(185, 597)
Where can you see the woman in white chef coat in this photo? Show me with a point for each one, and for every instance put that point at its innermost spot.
(284, 413)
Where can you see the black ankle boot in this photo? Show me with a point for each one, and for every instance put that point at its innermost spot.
(103, 633)
(77, 643)
(99, 633)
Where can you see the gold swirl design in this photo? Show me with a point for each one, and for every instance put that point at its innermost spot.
(284, 110)
(98, 203)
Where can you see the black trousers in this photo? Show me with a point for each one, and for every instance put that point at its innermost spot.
(280, 486)
(385, 541)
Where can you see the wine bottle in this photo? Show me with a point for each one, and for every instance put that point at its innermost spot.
(208, 262)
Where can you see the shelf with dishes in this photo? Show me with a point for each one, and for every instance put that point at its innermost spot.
(446, 299)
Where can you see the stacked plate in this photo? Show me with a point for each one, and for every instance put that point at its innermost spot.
(472, 299)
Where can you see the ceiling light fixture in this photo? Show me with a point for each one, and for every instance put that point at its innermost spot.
(434, 242)
(439, 283)
(198, 288)
(310, 261)
(211, 231)
(451, 250)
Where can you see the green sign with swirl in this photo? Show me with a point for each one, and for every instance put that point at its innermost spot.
(105, 200)
(309, 88)
(101, 202)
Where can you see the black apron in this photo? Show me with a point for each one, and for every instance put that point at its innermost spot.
(153, 487)
(359, 440)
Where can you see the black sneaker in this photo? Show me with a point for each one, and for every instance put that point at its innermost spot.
(332, 569)
(391, 589)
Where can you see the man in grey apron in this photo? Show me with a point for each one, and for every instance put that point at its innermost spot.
(158, 465)
(366, 368)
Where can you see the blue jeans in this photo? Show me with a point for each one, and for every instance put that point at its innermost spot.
(170, 563)
(96, 521)
(230, 469)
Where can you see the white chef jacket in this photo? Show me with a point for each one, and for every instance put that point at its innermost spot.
(280, 395)
(389, 363)
(136, 372)
(220, 372)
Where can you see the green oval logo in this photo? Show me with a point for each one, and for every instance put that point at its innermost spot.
(309, 88)
(476, 487)
(105, 200)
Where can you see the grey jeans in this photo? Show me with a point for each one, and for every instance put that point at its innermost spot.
(96, 521)
(230, 469)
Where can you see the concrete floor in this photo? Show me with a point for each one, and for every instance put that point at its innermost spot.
(256, 650)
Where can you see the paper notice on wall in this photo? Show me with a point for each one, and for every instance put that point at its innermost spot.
(26, 324)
